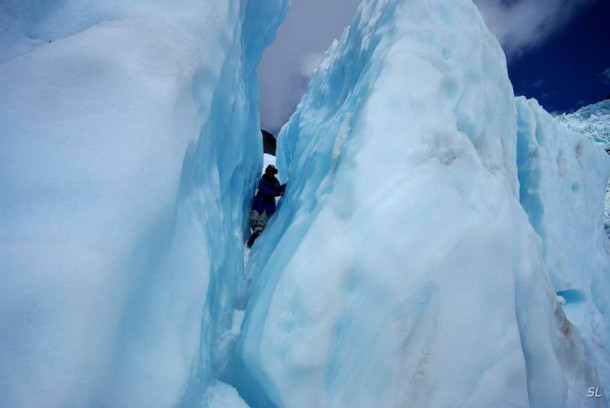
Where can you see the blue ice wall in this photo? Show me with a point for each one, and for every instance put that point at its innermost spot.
(406, 235)
(128, 137)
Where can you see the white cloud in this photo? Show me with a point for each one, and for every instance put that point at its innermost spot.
(606, 76)
(521, 25)
(539, 83)
(309, 62)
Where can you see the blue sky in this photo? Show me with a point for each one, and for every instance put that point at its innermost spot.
(558, 51)
(572, 68)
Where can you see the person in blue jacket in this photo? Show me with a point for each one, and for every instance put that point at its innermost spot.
(263, 205)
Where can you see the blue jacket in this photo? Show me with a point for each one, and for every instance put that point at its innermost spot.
(268, 188)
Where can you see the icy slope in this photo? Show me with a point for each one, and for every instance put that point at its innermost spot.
(402, 269)
(125, 148)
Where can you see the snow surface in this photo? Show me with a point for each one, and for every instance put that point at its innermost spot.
(429, 217)
(267, 160)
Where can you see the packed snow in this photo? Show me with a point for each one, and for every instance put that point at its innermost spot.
(429, 219)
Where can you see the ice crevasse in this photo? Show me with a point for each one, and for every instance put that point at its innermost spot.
(429, 217)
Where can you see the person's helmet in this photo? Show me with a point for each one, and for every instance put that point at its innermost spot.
(271, 169)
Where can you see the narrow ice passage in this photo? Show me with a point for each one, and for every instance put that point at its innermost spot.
(126, 134)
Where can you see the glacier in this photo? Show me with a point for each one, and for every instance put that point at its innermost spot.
(593, 121)
(422, 218)
(429, 220)
(128, 134)
(558, 169)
